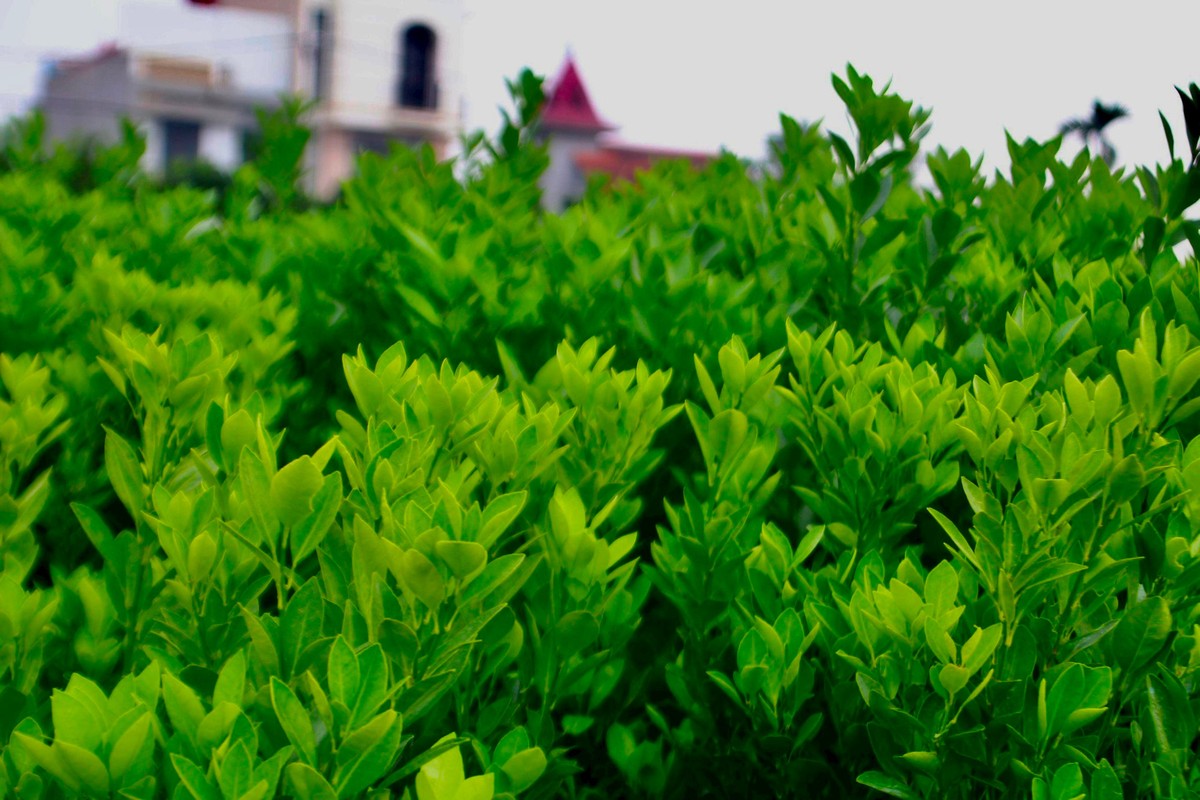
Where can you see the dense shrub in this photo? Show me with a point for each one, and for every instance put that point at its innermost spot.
(800, 481)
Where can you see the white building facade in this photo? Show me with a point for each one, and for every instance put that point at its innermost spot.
(381, 71)
(192, 74)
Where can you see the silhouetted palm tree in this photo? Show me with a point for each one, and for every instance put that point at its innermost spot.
(1093, 127)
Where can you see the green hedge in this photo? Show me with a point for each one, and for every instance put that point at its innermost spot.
(804, 480)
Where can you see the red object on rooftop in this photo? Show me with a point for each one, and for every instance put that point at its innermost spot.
(101, 53)
(203, 2)
(569, 106)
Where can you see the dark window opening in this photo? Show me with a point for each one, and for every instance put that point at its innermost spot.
(181, 141)
(417, 87)
(321, 54)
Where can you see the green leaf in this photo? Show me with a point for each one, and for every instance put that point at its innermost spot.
(311, 530)
(498, 515)
(237, 431)
(231, 682)
(941, 587)
(301, 626)
(1126, 480)
(193, 779)
(262, 639)
(87, 768)
(217, 725)
(1168, 710)
(1064, 698)
(183, 706)
(499, 572)
(97, 530)
(887, 784)
(445, 744)
(1184, 376)
(236, 773)
(421, 305)
(270, 770)
(953, 678)
(131, 751)
(959, 541)
(1106, 785)
(440, 777)
(1170, 136)
(1067, 783)
(477, 787)
(373, 683)
(343, 672)
(725, 685)
(48, 758)
(939, 641)
(422, 578)
(465, 559)
(308, 784)
(365, 755)
(574, 632)
(75, 721)
(124, 472)
(1138, 374)
(726, 433)
(293, 489)
(524, 768)
(512, 743)
(707, 387)
(214, 420)
(294, 720)
(1141, 633)
(255, 484)
(979, 648)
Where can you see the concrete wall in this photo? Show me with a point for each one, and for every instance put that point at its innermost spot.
(563, 182)
(332, 160)
(221, 145)
(366, 50)
(255, 47)
(88, 101)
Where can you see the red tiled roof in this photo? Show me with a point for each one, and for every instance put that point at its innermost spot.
(624, 161)
(569, 105)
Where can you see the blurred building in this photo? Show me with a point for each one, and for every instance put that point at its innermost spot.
(190, 75)
(580, 145)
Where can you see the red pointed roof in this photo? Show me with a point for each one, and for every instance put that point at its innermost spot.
(569, 105)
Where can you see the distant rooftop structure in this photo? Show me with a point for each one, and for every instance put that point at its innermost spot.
(188, 108)
(624, 161)
(579, 145)
(192, 73)
(569, 107)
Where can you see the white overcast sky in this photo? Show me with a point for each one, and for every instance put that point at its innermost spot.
(704, 76)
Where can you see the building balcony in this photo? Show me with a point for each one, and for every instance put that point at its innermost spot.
(422, 122)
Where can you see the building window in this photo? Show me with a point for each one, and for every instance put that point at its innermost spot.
(181, 141)
(321, 54)
(417, 88)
